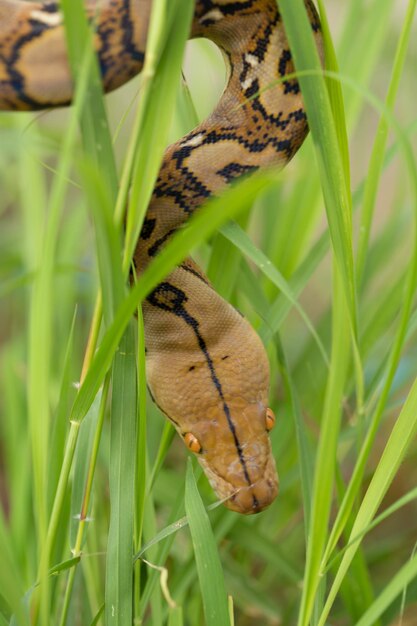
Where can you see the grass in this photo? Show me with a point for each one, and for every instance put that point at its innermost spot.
(94, 485)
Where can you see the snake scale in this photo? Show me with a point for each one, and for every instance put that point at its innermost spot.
(207, 369)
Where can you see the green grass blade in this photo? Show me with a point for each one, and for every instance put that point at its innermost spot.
(85, 464)
(176, 617)
(281, 306)
(151, 597)
(361, 60)
(119, 564)
(335, 95)
(164, 444)
(108, 239)
(326, 454)
(203, 223)
(305, 455)
(241, 240)
(97, 617)
(60, 426)
(391, 591)
(334, 178)
(209, 569)
(141, 469)
(160, 82)
(224, 266)
(92, 115)
(81, 466)
(409, 497)
(11, 583)
(64, 566)
(402, 435)
(392, 361)
(41, 333)
(40, 340)
(381, 136)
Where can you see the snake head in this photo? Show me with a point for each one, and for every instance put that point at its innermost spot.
(238, 464)
(212, 380)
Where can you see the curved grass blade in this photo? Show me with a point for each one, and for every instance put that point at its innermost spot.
(281, 306)
(241, 240)
(200, 226)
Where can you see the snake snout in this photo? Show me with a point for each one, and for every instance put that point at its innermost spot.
(254, 498)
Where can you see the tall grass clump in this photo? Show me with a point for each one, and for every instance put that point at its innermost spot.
(103, 520)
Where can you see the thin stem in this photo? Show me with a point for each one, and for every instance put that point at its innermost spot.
(86, 499)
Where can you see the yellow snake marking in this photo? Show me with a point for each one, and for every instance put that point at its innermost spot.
(207, 369)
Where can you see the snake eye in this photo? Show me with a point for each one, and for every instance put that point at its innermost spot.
(192, 442)
(269, 419)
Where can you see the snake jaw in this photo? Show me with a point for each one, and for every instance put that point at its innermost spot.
(254, 498)
(245, 498)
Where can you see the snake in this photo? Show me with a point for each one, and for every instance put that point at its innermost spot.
(207, 369)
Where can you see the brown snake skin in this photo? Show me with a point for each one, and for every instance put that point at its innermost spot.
(207, 368)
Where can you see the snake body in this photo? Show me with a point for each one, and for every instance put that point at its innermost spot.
(207, 369)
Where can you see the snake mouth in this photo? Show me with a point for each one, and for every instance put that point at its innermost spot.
(247, 499)
(254, 498)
